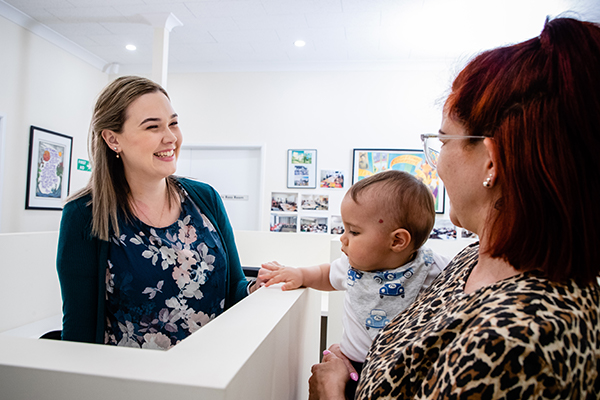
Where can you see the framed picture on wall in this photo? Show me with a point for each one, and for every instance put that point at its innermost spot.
(314, 202)
(331, 179)
(367, 162)
(48, 170)
(313, 224)
(302, 169)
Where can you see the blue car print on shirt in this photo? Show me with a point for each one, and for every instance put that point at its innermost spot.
(386, 276)
(377, 320)
(428, 258)
(353, 275)
(391, 289)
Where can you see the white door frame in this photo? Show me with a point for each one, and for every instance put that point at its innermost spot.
(263, 162)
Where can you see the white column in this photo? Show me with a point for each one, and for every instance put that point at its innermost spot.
(163, 23)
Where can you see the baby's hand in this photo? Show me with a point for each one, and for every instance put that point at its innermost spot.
(273, 272)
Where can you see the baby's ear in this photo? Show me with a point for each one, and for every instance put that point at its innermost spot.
(400, 240)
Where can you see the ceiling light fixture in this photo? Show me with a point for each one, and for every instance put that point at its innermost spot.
(131, 47)
(299, 43)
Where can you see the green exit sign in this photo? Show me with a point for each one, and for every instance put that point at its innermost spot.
(83, 165)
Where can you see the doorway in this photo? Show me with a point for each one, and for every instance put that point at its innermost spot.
(236, 172)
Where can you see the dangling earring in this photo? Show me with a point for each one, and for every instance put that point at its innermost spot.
(488, 182)
(116, 152)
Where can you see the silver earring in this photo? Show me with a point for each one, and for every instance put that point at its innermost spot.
(488, 182)
(116, 151)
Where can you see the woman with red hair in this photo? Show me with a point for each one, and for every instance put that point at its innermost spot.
(517, 314)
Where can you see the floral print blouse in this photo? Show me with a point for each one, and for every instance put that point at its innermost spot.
(163, 284)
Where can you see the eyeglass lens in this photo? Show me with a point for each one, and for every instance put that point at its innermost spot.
(432, 147)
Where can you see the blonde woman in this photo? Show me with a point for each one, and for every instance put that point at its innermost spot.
(144, 258)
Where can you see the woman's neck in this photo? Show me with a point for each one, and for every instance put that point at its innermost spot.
(488, 271)
(148, 192)
(150, 203)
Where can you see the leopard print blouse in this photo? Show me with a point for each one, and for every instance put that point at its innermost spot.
(521, 338)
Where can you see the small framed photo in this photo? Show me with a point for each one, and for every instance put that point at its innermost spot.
(48, 170)
(312, 224)
(314, 202)
(367, 162)
(331, 179)
(287, 202)
(284, 223)
(336, 225)
(302, 169)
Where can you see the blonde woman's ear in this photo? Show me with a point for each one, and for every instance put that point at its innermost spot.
(110, 138)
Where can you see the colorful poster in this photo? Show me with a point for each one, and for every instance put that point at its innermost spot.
(368, 162)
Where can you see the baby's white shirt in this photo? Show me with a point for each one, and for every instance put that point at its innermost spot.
(373, 299)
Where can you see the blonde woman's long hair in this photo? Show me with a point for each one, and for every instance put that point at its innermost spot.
(108, 187)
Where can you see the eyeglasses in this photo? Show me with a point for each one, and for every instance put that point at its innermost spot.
(432, 145)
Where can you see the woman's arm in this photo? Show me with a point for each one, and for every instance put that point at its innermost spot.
(238, 283)
(77, 267)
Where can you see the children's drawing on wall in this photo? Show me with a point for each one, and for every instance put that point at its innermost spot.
(284, 202)
(302, 169)
(48, 169)
(368, 162)
(314, 202)
(313, 224)
(284, 223)
(337, 226)
(443, 229)
(331, 179)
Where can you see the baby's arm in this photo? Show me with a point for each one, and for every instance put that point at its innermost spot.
(316, 277)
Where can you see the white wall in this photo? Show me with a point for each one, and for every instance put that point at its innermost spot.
(44, 86)
(332, 112)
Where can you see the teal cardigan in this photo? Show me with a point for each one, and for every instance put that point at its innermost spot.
(82, 260)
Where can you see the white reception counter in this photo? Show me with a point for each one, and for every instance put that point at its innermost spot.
(262, 348)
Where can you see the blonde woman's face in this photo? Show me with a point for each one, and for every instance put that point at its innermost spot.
(150, 142)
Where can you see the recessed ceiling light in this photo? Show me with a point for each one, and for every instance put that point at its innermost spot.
(299, 43)
(131, 47)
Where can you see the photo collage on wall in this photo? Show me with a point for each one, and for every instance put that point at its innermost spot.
(307, 212)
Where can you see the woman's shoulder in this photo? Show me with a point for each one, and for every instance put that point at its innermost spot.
(81, 203)
(190, 184)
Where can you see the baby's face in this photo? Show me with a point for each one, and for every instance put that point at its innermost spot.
(365, 241)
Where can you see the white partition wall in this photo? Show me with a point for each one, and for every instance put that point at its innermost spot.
(262, 348)
(29, 290)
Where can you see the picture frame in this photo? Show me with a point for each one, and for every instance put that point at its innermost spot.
(331, 179)
(48, 169)
(367, 162)
(284, 223)
(314, 224)
(302, 169)
(336, 225)
(285, 202)
(314, 202)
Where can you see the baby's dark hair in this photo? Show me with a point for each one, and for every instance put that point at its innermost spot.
(406, 199)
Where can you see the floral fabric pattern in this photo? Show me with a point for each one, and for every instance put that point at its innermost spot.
(163, 284)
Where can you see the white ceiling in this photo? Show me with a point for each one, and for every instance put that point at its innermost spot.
(222, 35)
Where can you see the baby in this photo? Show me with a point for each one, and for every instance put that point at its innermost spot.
(387, 218)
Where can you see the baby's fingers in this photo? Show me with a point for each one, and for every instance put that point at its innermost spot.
(272, 265)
